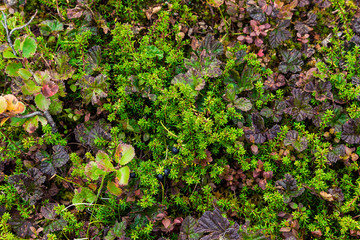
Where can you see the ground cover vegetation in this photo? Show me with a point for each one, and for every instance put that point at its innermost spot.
(179, 119)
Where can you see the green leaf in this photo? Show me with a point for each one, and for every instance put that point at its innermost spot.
(122, 176)
(85, 195)
(42, 102)
(42, 120)
(243, 104)
(12, 69)
(187, 229)
(93, 171)
(104, 162)
(17, 44)
(25, 74)
(56, 106)
(113, 189)
(152, 51)
(118, 231)
(28, 47)
(17, 122)
(31, 124)
(9, 54)
(56, 225)
(49, 26)
(124, 153)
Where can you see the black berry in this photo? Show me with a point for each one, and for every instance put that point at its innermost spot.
(174, 150)
(132, 175)
(166, 172)
(160, 177)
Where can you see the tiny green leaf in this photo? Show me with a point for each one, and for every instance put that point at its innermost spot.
(42, 102)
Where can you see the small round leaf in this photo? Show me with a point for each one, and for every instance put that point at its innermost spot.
(124, 153)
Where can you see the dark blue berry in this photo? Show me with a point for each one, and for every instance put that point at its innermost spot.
(166, 172)
(160, 177)
(132, 175)
(174, 150)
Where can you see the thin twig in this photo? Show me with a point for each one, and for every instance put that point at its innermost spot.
(168, 130)
(8, 34)
(50, 121)
(30, 115)
(18, 28)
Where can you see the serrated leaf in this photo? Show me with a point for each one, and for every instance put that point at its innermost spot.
(12, 69)
(93, 172)
(56, 225)
(103, 161)
(187, 229)
(47, 168)
(28, 47)
(277, 36)
(113, 189)
(152, 51)
(117, 232)
(17, 45)
(122, 176)
(29, 186)
(216, 225)
(31, 124)
(243, 104)
(84, 195)
(8, 54)
(124, 153)
(21, 227)
(292, 61)
(60, 156)
(42, 102)
(56, 106)
(93, 59)
(257, 14)
(48, 211)
(25, 74)
(30, 88)
(351, 131)
(49, 26)
(50, 89)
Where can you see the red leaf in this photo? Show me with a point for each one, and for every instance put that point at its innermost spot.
(50, 89)
(166, 222)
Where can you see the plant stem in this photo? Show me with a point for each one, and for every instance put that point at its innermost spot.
(97, 197)
(8, 34)
(67, 180)
(168, 130)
